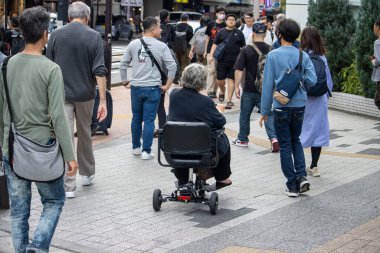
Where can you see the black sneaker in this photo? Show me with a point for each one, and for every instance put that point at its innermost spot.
(303, 184)
(293, 193)
(211, 95)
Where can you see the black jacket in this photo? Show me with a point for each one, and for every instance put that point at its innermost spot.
(188, 105)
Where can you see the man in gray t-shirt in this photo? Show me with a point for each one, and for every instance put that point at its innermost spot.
(79, 51)
(146, 83)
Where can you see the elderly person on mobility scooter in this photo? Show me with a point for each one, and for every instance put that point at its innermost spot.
(192, 113)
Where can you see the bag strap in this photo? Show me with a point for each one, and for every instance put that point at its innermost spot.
(258, 51)
(4, 71)
(299, 65)
(229, 36)
(152, 58)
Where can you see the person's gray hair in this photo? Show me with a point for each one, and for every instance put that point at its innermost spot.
(280, 17)
(79, 10)
(194, 77)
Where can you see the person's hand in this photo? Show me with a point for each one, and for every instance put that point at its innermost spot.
(164, 88)
(373, 62)
(210, 58)
(220, 107)
(205, 55)
(191, 55)
(263, 119)
(237, 92)
(126, 84)
(72, 168)
(102, 111)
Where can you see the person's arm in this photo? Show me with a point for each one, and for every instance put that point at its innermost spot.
(239, 67)
(50, 47)
(171, 66)
(124, 64)
(268, 86)
(99, 70)
(207, 40)
(192, 42)
(376, 61)
(1, 109)
(56, 96)
(218, 118)
(211, 56)
(189, 33)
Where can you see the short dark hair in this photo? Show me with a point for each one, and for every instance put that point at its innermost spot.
(289, 30)
(33, 23)
(149, 22)
(377, 22)
(230, 15)
(219, 9)
(164, 14)
(249, 14)
(311, 40)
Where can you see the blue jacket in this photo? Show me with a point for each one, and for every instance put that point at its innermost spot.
(278, 62)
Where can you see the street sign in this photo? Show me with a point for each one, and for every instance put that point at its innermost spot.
(133, 3)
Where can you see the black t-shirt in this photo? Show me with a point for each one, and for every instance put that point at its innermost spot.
(233, 46)
(211, 31)
(248, 60)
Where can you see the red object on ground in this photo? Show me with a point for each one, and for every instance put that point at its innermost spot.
(184, 198)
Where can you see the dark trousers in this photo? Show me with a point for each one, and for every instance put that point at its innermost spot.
(377, 95)
(288, 125)
(221, 172)
(161, 113)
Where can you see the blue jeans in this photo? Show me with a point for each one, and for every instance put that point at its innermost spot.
(248, 102)
(52, 198)
(288, 125)
(145, 101)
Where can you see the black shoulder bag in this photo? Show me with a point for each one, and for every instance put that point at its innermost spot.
(164, 78)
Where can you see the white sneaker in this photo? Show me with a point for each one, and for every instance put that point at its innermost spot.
(87, 180)
(314, 172)
(136, 151)
(70, 195)
(146, 156)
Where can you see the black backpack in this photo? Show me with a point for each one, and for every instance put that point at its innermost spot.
(17, 43)
(320, 88)
(180, 43)
(165, 33)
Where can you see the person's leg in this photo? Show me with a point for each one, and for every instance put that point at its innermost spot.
(299, 157)
(377, 95)
(211, 78)
(20, 196)
(313, 169)
(221, 77)
(282, 126)
(247, 103)
(222, 87)
(295, 131)
(182, 175)
(150, 107)
(137, 118)
(231, 83)
(161, 112)
(83, 115)
(70, 181)
(315, 154)
(52, 198)
(223, 170)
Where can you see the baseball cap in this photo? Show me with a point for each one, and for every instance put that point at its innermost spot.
(259, 28)
(184, 16)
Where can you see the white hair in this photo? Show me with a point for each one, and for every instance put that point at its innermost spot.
(79, 10)
(194, 77)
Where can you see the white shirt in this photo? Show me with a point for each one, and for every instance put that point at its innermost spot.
(247, 31)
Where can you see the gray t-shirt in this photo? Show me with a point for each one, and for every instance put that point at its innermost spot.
(144, 72)
(79, 51)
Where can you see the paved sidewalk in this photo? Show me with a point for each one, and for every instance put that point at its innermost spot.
(115, 214)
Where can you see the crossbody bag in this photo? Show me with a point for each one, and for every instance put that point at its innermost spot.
(164, 77)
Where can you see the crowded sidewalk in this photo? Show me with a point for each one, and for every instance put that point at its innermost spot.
(115, 214)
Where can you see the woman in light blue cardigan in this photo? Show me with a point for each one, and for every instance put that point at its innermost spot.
(315, 129)
(376, 62)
